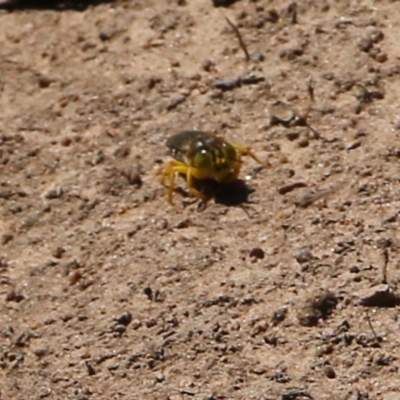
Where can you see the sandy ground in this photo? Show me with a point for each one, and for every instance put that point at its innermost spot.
(289, 291)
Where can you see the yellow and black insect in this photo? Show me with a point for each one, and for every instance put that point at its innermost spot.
(203, 156)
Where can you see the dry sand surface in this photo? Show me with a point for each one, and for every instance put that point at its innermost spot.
(285, 287)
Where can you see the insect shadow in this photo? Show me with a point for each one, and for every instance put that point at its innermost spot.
(233, 194)
(58, 5)
(230, 194)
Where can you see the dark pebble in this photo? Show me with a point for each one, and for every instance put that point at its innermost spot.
(148, 292)
(133, 175)
(293, 136)
(124, 319)
(7, 237)
(365, 44)
(40, 352)
(90, 369)
(207, 65)
(44, 82)
(150, 323)
(54, 193)
(272, 16)
(12, 295)
(303, 256)
(104, 36)
(354, 269)
(118, 328)
(257, 252)
(222, 3)
(58, 252)
(257, 57)
(329, 372)
(65, 141)
(183, 224)
(304, 142)
(376, 35)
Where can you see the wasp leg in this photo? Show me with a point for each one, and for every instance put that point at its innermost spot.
(236, 170)
(246, 151)
(193, 172)
(176, 167)
(169, 172)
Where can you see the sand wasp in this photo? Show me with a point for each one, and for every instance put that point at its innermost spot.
(203, 156)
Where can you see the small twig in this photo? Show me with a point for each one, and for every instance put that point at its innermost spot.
(270, 290)
(239, 36)
(310, 89)
(372, 329)
(311, 197)
(238, 82)
(299, 119)
(385, 264)
(245, 210)
(366, 97)
(292, 11)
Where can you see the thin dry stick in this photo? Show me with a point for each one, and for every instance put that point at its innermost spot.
(385, 264)
(270, 290)
(239, 36)
(372, 329)
(310, 89)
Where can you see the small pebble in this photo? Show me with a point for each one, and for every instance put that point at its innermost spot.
(293, 135)
(75, 277)
(7, 237)
(54, 193)
(257, 253)
(108, 267)
(124, 319)
(304, 142)
(104, 36)
(354, 269)
(329, 372)
(272, 16)
(66, 141)
(376, 35)
(148, 292)
(257, 57)
(303, 256)
(278, 316)
(136, 324)
(112, 366)
(162, 224)
(58, 252)
(381, 57)
(207, 65)
(119, 328)
(12, 295)
(365, 44)
(40, 351)
(183, 224)
(381, 295)
(150, 323)
(44, 81)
